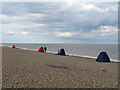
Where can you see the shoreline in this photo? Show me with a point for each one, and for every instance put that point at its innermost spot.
(68, 54)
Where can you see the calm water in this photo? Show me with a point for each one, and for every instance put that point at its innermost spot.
(85, 50)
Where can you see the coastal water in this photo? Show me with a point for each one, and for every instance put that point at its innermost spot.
(84, 50)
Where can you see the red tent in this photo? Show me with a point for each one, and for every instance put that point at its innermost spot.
(41, 49)
(13, 46)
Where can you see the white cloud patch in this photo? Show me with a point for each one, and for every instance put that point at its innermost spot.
(91, 7)
(38, 24)
(25, 33)
(15, 33)
(65, 34)
(29, 16)
(70, 3)
(9, 32)
(100, 33)
(22, 29)
(106, 30)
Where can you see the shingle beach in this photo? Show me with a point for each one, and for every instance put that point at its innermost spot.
(32, 69)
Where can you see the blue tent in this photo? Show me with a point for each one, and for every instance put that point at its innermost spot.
(103, 57)
(62, 52)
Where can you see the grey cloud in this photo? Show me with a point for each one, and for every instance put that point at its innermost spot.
(60, 17)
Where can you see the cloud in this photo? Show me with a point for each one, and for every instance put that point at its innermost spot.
(91, 7)
(38, 24)
(60, 21)
(17, 19)
(23, 29)
(25, 33)
(101, 34)
(64, 34)
(106, 30)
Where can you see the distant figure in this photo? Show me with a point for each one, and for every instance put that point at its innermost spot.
(58, 52)
(45, 49)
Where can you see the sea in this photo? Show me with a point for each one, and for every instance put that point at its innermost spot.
(83, 50)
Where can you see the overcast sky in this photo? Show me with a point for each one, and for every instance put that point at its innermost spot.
(60, 22)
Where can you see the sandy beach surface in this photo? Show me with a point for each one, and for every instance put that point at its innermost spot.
(32, 69)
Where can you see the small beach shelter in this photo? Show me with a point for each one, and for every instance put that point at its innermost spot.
(62, 52)
(13, 46)
(103, 57)
(41, 49)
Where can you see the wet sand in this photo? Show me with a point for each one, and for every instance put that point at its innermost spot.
(32, 69)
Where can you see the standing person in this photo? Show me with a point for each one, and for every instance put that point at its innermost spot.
(45, 49)
(58, 52)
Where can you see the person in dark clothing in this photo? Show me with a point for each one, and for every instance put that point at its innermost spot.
(45, 49)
